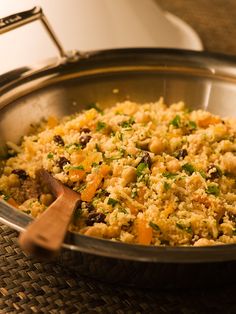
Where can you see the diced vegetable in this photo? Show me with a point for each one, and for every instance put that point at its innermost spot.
(184, 228)
(10, 201)
(112, 202)
(76, 174)
(154, 226)
(188, 168)
(192, 125)
(213, 189)
(176, 121)
(88, 193)
(169, 175)
(100, 126)
(144, 232)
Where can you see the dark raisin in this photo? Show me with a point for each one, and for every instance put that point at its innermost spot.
(181, 154)
(214, 172)
(21, 173)
(84, 139)
(232, 216)
(78, 204)
(146, 159)
(127, 226)
(85, 130)
(95, 218)
(58, 140)
(221, 220)
(90, 207)
(62, 162)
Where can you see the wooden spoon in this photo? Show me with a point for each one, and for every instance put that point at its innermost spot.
(44, 236)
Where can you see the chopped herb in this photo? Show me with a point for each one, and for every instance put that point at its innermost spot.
(6, 197)
(75, 146)
(95, 164)
(102, 192)
(192, 125)
(213, 189)
(98, 149)
(100, 126)
(80, 188)
(166, 186)
(127, 124)
(169, 175)
(112, 202)
(28, 211)
(134, 193)
(188, 168)
(122, 210)
(80, 167)
(122, 152)
(120, 136)
(203, 174)
(94, 106)
(184, 228)
(141, 168)
(50, 155)
(154, 226)
(176, 121)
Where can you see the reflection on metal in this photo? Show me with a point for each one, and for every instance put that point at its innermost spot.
(19, 19)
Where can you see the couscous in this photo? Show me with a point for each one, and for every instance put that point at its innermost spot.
(148, 174)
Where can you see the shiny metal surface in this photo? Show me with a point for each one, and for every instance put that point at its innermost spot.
(60, 88)
(22, 18)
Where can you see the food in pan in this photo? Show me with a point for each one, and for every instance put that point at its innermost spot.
(148, 174)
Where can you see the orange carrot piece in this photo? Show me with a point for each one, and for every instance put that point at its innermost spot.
(133, 209)
(141, 193)
(144, 232)
(12, 202)
(206, 121)
(76, 175)
(88, 193)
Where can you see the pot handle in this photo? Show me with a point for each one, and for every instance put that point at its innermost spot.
(19, 19)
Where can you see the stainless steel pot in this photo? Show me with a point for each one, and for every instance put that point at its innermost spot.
(67, 84)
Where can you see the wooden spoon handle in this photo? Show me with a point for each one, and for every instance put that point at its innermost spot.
(44, 236)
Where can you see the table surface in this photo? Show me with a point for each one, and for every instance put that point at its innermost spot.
(28, 286)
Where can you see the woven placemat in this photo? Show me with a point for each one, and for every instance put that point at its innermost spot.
(213, 20)
(29, 286)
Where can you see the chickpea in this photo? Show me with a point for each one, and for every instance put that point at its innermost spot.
(173, 165)
(203, 242)
(46, 199)
(229, 162)
(93, 231)
(128, 175)
(142, 117)
(156, 146)
(13, 180)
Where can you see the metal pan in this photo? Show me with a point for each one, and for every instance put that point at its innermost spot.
(67, 84)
